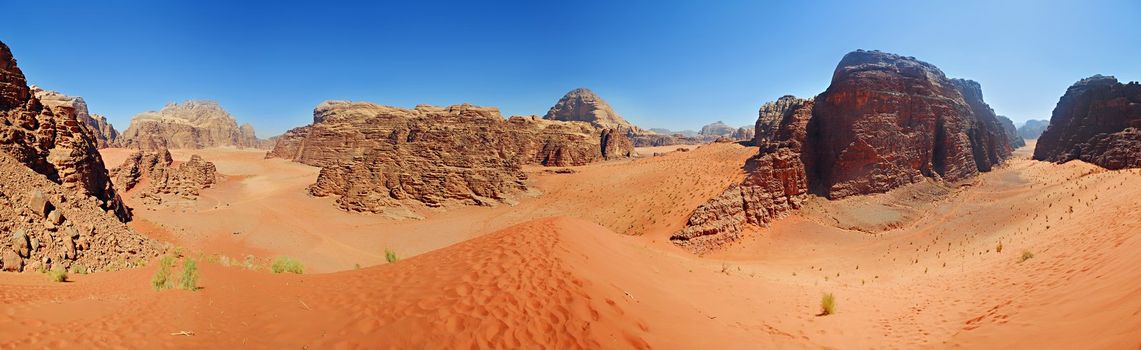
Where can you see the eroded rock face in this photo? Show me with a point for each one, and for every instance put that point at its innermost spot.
(1012, 138)
(165, 181)
(97, 125)
(190, 125)
(51, 139)
(717, 128)
(1098, 120)
(582, 105)
(884, 122)
(888, 120)
(58, 208)
(376, 158)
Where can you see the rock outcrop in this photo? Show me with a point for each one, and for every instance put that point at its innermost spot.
(51, 140)
(885, 121)
(58, 208)
(1033, 129)
(97, 125)
(190, 125)
(744, 133)
(1012, 138)
(582, 105)
(164, 179)
(1098, 120)
(375, 158)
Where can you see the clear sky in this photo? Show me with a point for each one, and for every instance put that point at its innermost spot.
(676, 65)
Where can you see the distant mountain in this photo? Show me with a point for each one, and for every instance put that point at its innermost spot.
(1033, 128)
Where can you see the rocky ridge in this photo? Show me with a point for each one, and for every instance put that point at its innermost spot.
(885, 121)
(378, 158)
(58, 208)
(97, 125)
(1098, 120)
(1012, 138)
(1033, 129)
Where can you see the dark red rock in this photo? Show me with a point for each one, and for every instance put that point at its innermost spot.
(1098, 120)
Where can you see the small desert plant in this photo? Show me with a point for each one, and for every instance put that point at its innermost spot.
(189, 280)
(78, 269)
(390, 256)
(58, 274)
(998, 248)
(1026, 255)
(827, 304)
(161, 279)
(287, 264)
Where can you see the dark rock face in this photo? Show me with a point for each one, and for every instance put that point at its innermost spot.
(888, 120)
(884, 122)
(1011, 132)
(1098, 120)
(1033, 129)
(377, 157)
(51, 140)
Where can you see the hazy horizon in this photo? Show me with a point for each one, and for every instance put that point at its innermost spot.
(653, 62)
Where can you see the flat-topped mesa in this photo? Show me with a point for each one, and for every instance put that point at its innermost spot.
(1098, 120)
(60, 208)
(376, 157)
(190, 125)
(885, 121)
(97, 125)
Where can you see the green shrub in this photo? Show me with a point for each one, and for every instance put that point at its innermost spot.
(189, 280)
(390, 255)
(78, 269)
(827, 304)
(58, 274)
(287, 264)
(161, 279)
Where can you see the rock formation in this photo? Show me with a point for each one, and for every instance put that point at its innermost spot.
(164, 179)
(717, 128)
(582, 105)
(191, 125)
(1033, 129)
(58, 208)
(51, 140)
(744, 133)
(1098, 120)
(1011, 132)
(885, 121)
(97, 125)
(377, 157)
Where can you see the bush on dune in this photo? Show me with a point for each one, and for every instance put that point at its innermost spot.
(287, 264)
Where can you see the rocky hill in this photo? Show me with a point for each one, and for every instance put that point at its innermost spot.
(582, 105)
(58, 208)
(378, 158)
(1011, 132)
(103, 132)
(190, 125)
(1098, 120)
(717, 128)
(885, 121)
(1033, 129)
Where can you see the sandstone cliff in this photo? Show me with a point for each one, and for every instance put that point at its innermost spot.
(190, 125)
(717, 128)
(885, 121)
(58, 208)
(377, 157)
(97, 125)
(1012, 137)
(1098, 120)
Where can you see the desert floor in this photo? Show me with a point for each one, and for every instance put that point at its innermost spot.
(585, 261)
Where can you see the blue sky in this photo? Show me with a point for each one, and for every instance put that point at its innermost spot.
(677, 65)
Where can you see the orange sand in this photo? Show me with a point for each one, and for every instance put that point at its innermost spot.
(552, 272)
